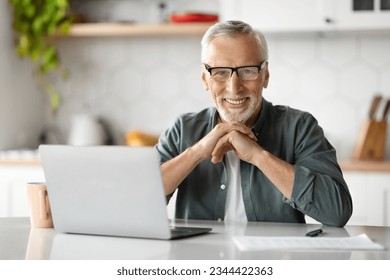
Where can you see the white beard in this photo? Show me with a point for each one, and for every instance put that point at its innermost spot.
(236, 115)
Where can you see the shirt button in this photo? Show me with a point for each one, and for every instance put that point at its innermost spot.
(223, 186)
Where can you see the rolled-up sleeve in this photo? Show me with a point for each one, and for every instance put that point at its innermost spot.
(319, 189)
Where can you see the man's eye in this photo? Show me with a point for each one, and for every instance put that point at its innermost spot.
(221, 73)
(249, 72)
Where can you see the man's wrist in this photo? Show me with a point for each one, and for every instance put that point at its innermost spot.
(259, 157)
(194, 155)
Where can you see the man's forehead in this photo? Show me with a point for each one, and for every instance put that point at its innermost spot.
(232, 39)
(233, 50)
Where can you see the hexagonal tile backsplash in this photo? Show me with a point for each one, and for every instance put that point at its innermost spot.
(144, 83)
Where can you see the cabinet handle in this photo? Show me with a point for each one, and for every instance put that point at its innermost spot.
(328, 20)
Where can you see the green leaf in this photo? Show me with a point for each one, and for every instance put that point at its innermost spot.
(30, 11)
(65, 27)
(22, 52)
(23, 46)
(48, 54)
(35, 54)
(59, 15)
(55, 97)
(48, 66)
(37, 26)
(62, 3)
(24, 41)
(55, 101)
(51, 29)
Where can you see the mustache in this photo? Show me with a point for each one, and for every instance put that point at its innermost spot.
(232, 97)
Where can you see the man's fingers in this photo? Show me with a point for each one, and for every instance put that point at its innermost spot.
(220, 149)
(219, 140)
(225, 128)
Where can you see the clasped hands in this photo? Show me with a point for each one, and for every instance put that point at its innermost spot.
(225, 137)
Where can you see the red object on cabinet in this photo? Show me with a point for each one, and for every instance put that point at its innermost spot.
(192, 17)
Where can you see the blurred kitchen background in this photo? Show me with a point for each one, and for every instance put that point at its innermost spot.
(328, 57)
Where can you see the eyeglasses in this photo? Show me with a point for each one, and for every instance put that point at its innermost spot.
(245, 73)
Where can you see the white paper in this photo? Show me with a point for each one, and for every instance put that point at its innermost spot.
(257, 243)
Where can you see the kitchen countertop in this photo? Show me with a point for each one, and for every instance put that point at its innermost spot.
(19, 157)
(31, 157)
(19, 241)
(365, 166)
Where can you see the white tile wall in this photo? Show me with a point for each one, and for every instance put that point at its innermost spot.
(145, 82)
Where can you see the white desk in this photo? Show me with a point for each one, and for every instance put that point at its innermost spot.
(19, 241)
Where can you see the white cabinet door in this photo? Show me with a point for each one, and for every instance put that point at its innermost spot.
(371, 198)
(13, 193)
(361, 14)
(278, 15)
(378, 195)
(308, 15)
(358, 185)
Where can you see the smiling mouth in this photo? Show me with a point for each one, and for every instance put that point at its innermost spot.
(236, 101)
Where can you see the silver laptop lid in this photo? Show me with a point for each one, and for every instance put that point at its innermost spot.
(106, 190)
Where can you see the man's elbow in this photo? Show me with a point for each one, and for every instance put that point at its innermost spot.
(338, 219)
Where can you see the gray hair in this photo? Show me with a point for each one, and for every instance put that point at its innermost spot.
(232, 28)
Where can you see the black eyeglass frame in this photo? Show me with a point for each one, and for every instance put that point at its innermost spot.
(235, 69)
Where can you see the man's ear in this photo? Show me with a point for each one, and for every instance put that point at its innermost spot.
(204, 80)
(266, 76)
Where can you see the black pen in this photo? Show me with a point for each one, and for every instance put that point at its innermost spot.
(314, 233)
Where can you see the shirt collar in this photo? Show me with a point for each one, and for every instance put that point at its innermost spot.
(261, 119)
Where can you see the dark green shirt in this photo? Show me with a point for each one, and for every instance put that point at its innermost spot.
(294, 136)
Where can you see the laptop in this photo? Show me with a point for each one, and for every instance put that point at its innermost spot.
(108, 190)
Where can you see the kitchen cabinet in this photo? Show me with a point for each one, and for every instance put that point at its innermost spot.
(361, 14)
(283, 16)
(277, 15)
(13, 179)
(365, 166)
(371, 198)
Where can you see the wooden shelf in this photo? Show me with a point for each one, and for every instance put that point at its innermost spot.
(365, 166)
(12, 162)
(354, 166)
(126, 29)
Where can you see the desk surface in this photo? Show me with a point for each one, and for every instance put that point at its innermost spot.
(19, 241)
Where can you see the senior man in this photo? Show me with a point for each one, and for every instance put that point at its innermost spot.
(246, 159)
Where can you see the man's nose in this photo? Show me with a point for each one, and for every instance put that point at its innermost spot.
(234, 83)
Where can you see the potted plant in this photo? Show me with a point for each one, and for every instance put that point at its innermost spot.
(35, 23)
